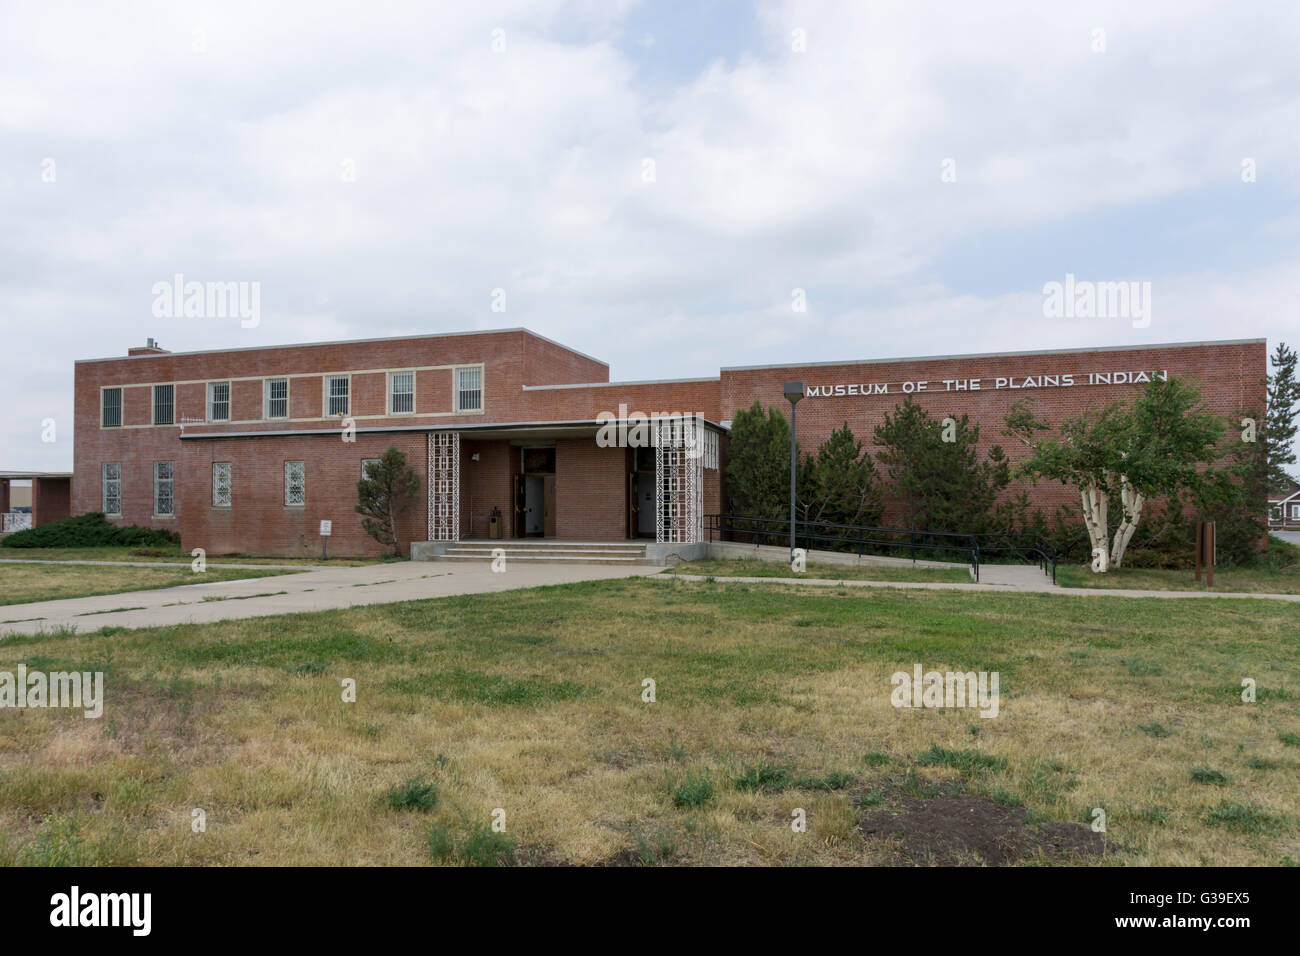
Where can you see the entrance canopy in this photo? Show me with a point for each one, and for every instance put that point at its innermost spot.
(682, 450)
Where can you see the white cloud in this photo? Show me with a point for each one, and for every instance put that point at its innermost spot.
(523, 170)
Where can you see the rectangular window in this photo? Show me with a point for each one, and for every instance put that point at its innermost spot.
(277, 398)
(112, 486)
(111, 407)
(367, 464)
(218, 401)
(1295, 511)
(295, 483)
(469, 389)
(164, 404)
(221, 484)
(401, 393)
(711, 450)
(162, 488)
(336, 395)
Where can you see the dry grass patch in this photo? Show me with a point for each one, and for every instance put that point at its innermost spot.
(29, 583)
(767, 700)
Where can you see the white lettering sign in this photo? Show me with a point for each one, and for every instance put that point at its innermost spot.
(1012, 382)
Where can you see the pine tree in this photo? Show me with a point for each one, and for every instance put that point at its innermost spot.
(840, 484)
(384, 494)
(936, 471)
(1282, 417)
(758, 463)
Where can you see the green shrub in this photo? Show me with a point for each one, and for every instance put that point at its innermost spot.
(1243, 817)
(480, 846)
(695, 790)
(415, 794)
(763, 776)
(90, 530)
(485, 847)
(1204, 774)
(967, 761)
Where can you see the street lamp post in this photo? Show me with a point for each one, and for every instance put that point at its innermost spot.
(793, 392)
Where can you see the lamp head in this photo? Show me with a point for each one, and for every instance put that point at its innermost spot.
(794, 392)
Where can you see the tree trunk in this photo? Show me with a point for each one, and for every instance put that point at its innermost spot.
(392, 524)
(1095, 520)
(1132, 501)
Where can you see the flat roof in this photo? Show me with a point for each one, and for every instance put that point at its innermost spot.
(981, 355)
(23, 475)
(647, 381)
(386, 338)
(557, 425)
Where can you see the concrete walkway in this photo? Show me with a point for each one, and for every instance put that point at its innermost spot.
(1038, 583)
(320, 590)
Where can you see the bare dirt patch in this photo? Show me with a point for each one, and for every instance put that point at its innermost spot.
(965, 829)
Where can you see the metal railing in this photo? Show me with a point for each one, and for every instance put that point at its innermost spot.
(868, 539)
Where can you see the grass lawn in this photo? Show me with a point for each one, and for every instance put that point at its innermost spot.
(1257, 579)
(24, 584)
(166, 554)
(748, 568)
(769, 700)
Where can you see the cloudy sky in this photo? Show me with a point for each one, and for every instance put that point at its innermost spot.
(649, 182)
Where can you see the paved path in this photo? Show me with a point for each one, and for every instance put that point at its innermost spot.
(1040, 584)
(320, 590)
(1292, 536)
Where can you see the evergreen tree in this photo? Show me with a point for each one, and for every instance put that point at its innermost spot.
(840, 484)
(384, 494)
(1282, 418)
(937, 474)
(758, 463)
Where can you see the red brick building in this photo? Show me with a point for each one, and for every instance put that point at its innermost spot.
(248, 450)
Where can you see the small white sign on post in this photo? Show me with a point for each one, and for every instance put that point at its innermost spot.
(325, 528)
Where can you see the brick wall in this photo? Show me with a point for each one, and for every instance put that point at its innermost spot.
(259, 522)
(591, 491)
(51, 500)
(591, 482)
(1230, 375)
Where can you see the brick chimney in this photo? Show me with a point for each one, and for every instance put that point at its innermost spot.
(150, 347)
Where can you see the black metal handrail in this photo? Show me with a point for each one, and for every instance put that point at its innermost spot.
(776, 531)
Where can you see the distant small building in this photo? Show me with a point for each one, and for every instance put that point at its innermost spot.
(1284, 510)
(47, 497)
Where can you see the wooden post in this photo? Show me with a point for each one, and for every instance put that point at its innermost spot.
(1210, 545)
(1200, 547)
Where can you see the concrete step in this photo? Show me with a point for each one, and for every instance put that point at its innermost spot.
(542, 552)
(546, 558)
(550, 550)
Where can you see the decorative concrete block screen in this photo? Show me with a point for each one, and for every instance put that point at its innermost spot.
(444, 486)
(679, 486)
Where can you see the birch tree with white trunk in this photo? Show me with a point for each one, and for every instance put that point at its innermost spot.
(1158, 445)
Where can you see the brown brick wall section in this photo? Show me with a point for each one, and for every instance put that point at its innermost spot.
(591, 496)
(591, 482)
(51, 500)
(259, 522)
(487, 483)
(1231, 378)
(585, 404)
